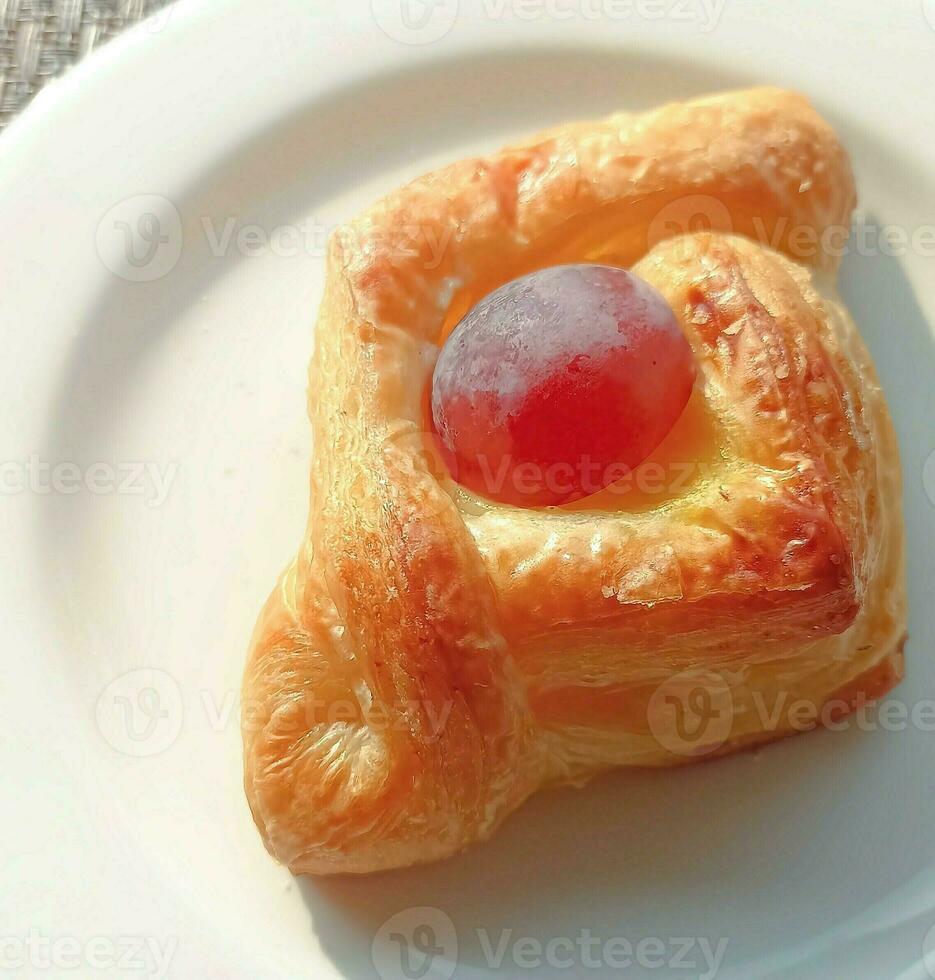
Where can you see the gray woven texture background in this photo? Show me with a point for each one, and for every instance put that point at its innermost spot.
(39, 39)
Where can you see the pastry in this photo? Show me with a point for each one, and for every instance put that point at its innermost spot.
(432, 656)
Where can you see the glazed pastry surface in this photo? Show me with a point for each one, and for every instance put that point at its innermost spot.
(429, 658)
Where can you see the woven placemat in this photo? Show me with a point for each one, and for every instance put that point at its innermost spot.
(40, 39)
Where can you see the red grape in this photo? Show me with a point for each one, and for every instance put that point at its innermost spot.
(558, 383)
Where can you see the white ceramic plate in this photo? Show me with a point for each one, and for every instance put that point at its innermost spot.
(154, 450)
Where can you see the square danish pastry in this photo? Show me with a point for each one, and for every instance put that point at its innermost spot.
(609, 480)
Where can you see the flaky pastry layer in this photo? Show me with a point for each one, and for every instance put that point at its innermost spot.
(429, 659)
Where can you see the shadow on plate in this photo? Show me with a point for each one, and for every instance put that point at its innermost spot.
(721, 850)
(707, 851)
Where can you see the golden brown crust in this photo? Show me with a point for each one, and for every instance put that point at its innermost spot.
(428, 659)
